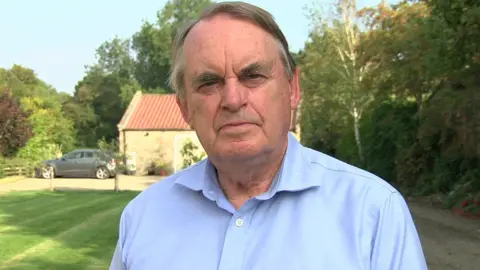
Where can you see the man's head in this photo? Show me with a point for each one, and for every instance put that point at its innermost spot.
(236, 81)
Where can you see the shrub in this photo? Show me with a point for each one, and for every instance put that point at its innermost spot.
(191, 153)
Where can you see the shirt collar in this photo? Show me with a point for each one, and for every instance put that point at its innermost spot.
(293, 175)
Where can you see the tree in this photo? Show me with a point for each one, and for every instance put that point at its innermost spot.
(14, 127)
(153, 43)
(53, 132)
(123, 67)
(44, 107)
(345, 76)
(101, 97)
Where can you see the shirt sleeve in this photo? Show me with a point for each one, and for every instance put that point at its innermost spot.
(396, 245)
(117, 262)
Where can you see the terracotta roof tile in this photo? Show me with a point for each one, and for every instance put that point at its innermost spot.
(157, 111)
(160, 111)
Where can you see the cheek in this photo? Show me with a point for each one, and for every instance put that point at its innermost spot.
(203, 112)
(275, 106)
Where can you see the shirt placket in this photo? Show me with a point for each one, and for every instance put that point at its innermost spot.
(235, 241)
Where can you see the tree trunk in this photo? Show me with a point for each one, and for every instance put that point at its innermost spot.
(356, 128)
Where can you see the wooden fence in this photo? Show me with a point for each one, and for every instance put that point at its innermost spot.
(7, 170)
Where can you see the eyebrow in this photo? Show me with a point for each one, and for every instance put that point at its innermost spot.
(204, 77)
(255, 67)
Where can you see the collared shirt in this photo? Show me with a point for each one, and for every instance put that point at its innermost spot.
(319, 213)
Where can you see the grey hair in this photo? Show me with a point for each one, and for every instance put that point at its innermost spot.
(238, 10)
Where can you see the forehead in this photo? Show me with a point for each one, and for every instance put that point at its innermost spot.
(222, 42)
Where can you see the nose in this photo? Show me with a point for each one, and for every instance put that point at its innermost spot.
(234, 96)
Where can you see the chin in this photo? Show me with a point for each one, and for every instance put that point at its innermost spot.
(240, 149)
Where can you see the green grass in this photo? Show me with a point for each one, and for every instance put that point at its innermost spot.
(59, 230)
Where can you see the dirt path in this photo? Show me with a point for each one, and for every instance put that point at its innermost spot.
(449, 242)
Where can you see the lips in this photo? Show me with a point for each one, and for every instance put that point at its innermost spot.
(236, 126)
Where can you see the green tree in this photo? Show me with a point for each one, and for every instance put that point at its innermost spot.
(52, 132)
(153, 43)
(338, 71)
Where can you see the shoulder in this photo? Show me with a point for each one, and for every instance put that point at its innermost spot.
(366, 198)
(347, 181)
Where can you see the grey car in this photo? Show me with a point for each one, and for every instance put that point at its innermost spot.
(80, 163)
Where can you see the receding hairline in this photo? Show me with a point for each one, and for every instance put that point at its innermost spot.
(237, 11)
(202, 26)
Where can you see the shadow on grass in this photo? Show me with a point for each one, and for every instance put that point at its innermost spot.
(67, 229)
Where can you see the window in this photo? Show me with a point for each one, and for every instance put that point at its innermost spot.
(74, 155)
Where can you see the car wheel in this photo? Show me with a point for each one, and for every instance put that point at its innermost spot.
(48, 172)
(102, 173)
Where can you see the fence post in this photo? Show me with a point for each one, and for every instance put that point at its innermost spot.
(50, 176)
(115, 188)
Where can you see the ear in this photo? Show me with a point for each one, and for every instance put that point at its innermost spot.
(182, 104)
(294, 89)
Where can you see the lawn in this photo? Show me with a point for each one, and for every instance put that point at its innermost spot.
(59, 230)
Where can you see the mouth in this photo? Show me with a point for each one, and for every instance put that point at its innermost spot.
(236, 125)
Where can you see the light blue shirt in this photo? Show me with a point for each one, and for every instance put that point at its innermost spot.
(319, 213)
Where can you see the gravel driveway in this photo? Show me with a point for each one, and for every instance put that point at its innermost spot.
(449, 242)
(125, 183)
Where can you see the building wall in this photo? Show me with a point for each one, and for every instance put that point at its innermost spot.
(152, 146)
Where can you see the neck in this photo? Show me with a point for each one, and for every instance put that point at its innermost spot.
(242, 181)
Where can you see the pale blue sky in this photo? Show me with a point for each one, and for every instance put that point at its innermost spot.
(58, 38)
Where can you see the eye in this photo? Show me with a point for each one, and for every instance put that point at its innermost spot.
(207, 84)
(253, 80)
(253, 76)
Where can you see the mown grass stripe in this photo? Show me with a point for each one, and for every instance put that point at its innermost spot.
(39, 230)
(18, 213)
(90, 248)
(32, 205)
(51, 242)
(21, 213)
(27, 203)
(57, 212)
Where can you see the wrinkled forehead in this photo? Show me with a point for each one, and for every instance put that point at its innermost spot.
(222, 43)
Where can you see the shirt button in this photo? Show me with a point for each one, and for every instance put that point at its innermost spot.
(239, 222)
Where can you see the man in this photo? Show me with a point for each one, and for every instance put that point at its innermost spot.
(261, 200)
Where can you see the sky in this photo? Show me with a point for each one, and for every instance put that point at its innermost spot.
(58, 38)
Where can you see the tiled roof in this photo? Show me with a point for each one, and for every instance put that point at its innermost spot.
(156, 111)
(160, 112)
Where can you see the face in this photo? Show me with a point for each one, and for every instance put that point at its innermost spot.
(238, 98)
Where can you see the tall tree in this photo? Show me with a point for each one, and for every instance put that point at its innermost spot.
(153, 42)
(406, 44)
(348, 69)
(14, 127)
(115, 57)
(101, 97)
